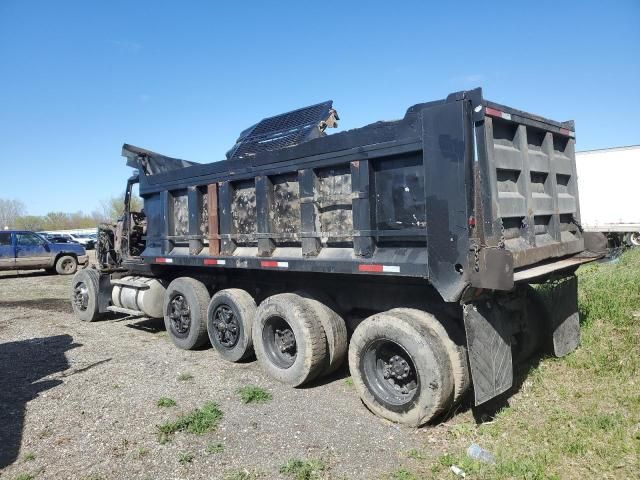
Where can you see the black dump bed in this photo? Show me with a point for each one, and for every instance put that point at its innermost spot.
(459, 192)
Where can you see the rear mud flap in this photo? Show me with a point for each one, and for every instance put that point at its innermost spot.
(560, 299)
(489, 350)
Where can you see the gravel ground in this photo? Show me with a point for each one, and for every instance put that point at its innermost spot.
(78, 401)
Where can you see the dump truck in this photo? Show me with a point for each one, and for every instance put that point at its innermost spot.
(429, 253)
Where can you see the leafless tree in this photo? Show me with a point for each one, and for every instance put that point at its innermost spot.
(10, 210)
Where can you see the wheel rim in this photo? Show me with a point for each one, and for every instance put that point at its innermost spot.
(226, 327)
(635, 238)
(389, 372)
(179, 316)
(279, 342)
(81, 296)
(67, 265)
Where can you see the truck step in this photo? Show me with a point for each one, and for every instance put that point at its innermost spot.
(128, 311)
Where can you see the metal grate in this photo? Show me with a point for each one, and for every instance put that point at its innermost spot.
(284, 130)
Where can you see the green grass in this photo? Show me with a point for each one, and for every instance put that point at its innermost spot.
(142, 451)
(416, 454)
(303, 469)
(215, 448)
(403, 474)
(24, 476)
(574, 417)
(184, 458)
(183, 377)
(348, 382)
(253, 394)
(241, 475)
(29, 456)
(166, 402)
(198, 421)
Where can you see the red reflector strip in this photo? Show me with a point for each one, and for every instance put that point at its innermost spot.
(379, 268)
(164, 260)
(214, 261)
(274, 264)
(567, 132)
(497, 113)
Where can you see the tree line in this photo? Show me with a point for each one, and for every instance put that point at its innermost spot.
(13, 215)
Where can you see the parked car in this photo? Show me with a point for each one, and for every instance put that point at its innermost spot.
(24, 250)
(84, 239)
(59, 239)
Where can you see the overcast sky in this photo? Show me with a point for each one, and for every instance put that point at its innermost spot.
(78, 78)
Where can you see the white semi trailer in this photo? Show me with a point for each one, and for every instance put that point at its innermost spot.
(608, 181)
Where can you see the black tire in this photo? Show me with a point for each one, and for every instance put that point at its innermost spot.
(66, 265)
(288, 339)
(335, 331)
(185, 312)
(84, 295)
(450, 335)
(400, 368)
(230, 319)
(632, 239)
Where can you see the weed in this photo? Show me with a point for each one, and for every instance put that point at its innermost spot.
(348, 382)
(166, 402)
(303, 469)
(183, 377)
(416, 454)
(198, 421)
(253, 394)
(185, 458)
(403, 474)
(142, 451)
(24, 476)
(29, 456)
(215, 448)
(243, 474)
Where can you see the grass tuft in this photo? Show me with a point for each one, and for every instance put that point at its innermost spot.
(243, 474)
(416, 454)
(183, 377)
(166, 402)
(24, 476)
(198, 421)
(185, 458)
(215, 448)
(29, 456)
(142, 451)
(403, 474)
(253, 394)
(303, 469)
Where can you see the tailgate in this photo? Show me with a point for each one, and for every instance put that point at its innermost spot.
(530, 202)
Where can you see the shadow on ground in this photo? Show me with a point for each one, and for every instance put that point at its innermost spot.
(61, 305)
(25, 274)
(151, 325)
(23, 367)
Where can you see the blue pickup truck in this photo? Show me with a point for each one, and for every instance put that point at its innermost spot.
(24, 250)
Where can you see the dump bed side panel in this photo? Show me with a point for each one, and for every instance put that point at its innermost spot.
(358, 209)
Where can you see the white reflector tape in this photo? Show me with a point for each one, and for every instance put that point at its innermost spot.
(497, 113)
(214, 261)
(274, 264)
(391, 268)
